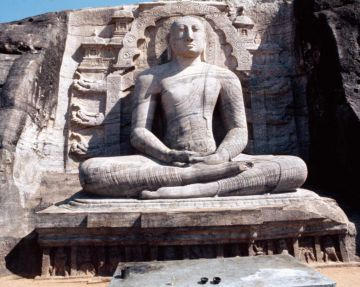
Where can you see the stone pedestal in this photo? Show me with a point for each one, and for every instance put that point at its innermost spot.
(90, 236)
(266, 271)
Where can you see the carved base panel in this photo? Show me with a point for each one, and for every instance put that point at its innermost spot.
(89, 240)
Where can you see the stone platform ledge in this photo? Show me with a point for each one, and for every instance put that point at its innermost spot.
(108, 231)
(300, 206)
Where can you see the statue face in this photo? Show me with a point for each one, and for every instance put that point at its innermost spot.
(187, 37)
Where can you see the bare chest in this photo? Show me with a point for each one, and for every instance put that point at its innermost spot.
(189, 92)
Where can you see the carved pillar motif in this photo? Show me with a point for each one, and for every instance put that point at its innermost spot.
(343, 250)
(60, 266)
(94, 122)
(46, 268)
(297, 254)
(244, 26)
(73, 263)
(318, 252)
(121, 19)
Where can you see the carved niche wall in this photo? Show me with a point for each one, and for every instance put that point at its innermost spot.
(255, 40)
(93, 116)
(100, 105)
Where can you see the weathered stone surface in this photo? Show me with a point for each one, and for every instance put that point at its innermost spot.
(329, 40)
(269, 271)
(311, 228)
(30, 58)
(301, 205)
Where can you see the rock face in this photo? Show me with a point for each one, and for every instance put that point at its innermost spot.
(66, 81)
(31, 53)
(329, 38)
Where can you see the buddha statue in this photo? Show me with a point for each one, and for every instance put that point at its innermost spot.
(187, 163)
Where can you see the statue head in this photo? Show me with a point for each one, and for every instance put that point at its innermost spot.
(187, 37)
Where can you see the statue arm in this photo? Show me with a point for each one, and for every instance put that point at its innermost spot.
(234, 117)
(146, 90)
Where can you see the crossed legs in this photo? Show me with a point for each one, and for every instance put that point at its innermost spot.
(269, 174)
(131, 176)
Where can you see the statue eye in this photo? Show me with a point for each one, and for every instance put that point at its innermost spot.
(181, 28)
(195, 28)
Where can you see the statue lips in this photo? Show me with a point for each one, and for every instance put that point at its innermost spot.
(191, 47)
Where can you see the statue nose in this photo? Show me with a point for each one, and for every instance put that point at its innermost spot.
(189, 36)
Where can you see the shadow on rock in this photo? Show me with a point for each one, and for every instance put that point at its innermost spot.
(25, 258)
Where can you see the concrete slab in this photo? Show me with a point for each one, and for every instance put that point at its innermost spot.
(260, 271)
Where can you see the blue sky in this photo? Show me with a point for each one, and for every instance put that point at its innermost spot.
(11, 10)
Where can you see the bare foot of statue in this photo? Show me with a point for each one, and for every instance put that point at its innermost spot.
(208, 189)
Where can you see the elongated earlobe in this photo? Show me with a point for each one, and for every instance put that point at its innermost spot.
(169, 53)
(203, 55)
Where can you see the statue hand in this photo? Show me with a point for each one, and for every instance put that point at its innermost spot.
(180, 157)
(211, 159)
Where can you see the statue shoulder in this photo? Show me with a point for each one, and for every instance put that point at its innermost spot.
(223, 74)
(156, 72)
(151, 78)
(229, 81)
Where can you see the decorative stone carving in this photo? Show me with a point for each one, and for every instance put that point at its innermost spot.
(81, 149)
(307, 254)
(307, 250)
(259, 248)
(122, 19)
(60, 267)
(85, 118)
(95, 60)
(148, 18)
(92, 98)
(282, 247)
(145, 45)
(168, 229)
(244, 26)
(88, 85)
(85, 262)
(78, 144)
(329, 251)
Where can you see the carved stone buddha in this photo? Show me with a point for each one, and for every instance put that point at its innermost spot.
(187, 162)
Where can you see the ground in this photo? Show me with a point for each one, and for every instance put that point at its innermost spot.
(343, 276)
